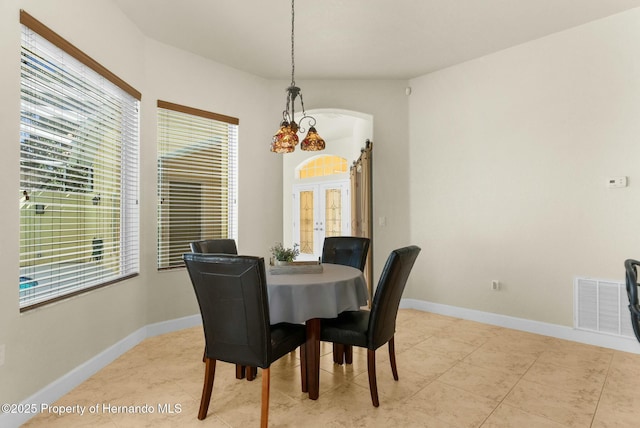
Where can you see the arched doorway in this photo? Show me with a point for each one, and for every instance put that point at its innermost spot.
(345, 133)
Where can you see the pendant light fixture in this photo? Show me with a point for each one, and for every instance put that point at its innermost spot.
(286, 139)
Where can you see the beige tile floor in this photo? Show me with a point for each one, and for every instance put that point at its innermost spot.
(453, 373)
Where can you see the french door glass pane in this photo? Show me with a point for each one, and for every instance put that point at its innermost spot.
(333, 212)
(306, 222)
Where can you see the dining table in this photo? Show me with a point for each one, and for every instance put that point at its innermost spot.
(307, 297)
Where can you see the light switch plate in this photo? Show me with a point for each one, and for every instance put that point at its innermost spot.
(2, 348)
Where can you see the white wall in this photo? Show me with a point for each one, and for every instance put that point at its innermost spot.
(46, 343)
(509, 158)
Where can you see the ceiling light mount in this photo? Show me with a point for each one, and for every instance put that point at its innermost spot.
(286, 139)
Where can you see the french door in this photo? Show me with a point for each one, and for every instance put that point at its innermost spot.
(320, 210)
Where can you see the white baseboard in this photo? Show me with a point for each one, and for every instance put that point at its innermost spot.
(618, 343)
(63, 385)
(173, 325)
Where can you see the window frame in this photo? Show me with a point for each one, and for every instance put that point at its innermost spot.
(127, 232)
(187, 139)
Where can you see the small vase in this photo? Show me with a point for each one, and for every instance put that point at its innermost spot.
(280, 262)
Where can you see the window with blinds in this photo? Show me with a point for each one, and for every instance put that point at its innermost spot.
(78, 171)
(197, 179)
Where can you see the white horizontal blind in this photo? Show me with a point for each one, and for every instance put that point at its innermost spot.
(197, 179)
(78, 175)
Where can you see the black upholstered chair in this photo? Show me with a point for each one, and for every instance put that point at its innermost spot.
(346, 250)
(222, 246)
(349, 251)
(372, 329)
(232, 295)
(631, 268)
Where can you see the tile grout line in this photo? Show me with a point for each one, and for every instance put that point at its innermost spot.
(606, 378)
(510, 390)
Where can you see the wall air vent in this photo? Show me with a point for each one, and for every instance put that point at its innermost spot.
(601, 306)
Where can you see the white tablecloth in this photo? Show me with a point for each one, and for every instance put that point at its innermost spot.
(296, 298)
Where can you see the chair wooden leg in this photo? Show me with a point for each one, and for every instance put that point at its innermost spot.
(392, 358)
(373, 384)
(303, 368)
(338, 353)
(342, 354)
(204, 355)
(209, 374)
(264, 415)
(240, 371)
(348, 354)
(251, 372)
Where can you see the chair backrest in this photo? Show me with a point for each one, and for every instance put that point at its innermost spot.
(386, 300)
(346, 250)
(232, 295)
(631, 268)
(221, 246)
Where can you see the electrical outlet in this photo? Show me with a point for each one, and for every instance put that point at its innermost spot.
(2, 348)
(495, 285)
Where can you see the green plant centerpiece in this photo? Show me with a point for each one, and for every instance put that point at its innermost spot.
(283, 254)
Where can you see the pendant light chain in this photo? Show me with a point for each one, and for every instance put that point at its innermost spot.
(285, 140)
(293, 64)
(293, 67)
